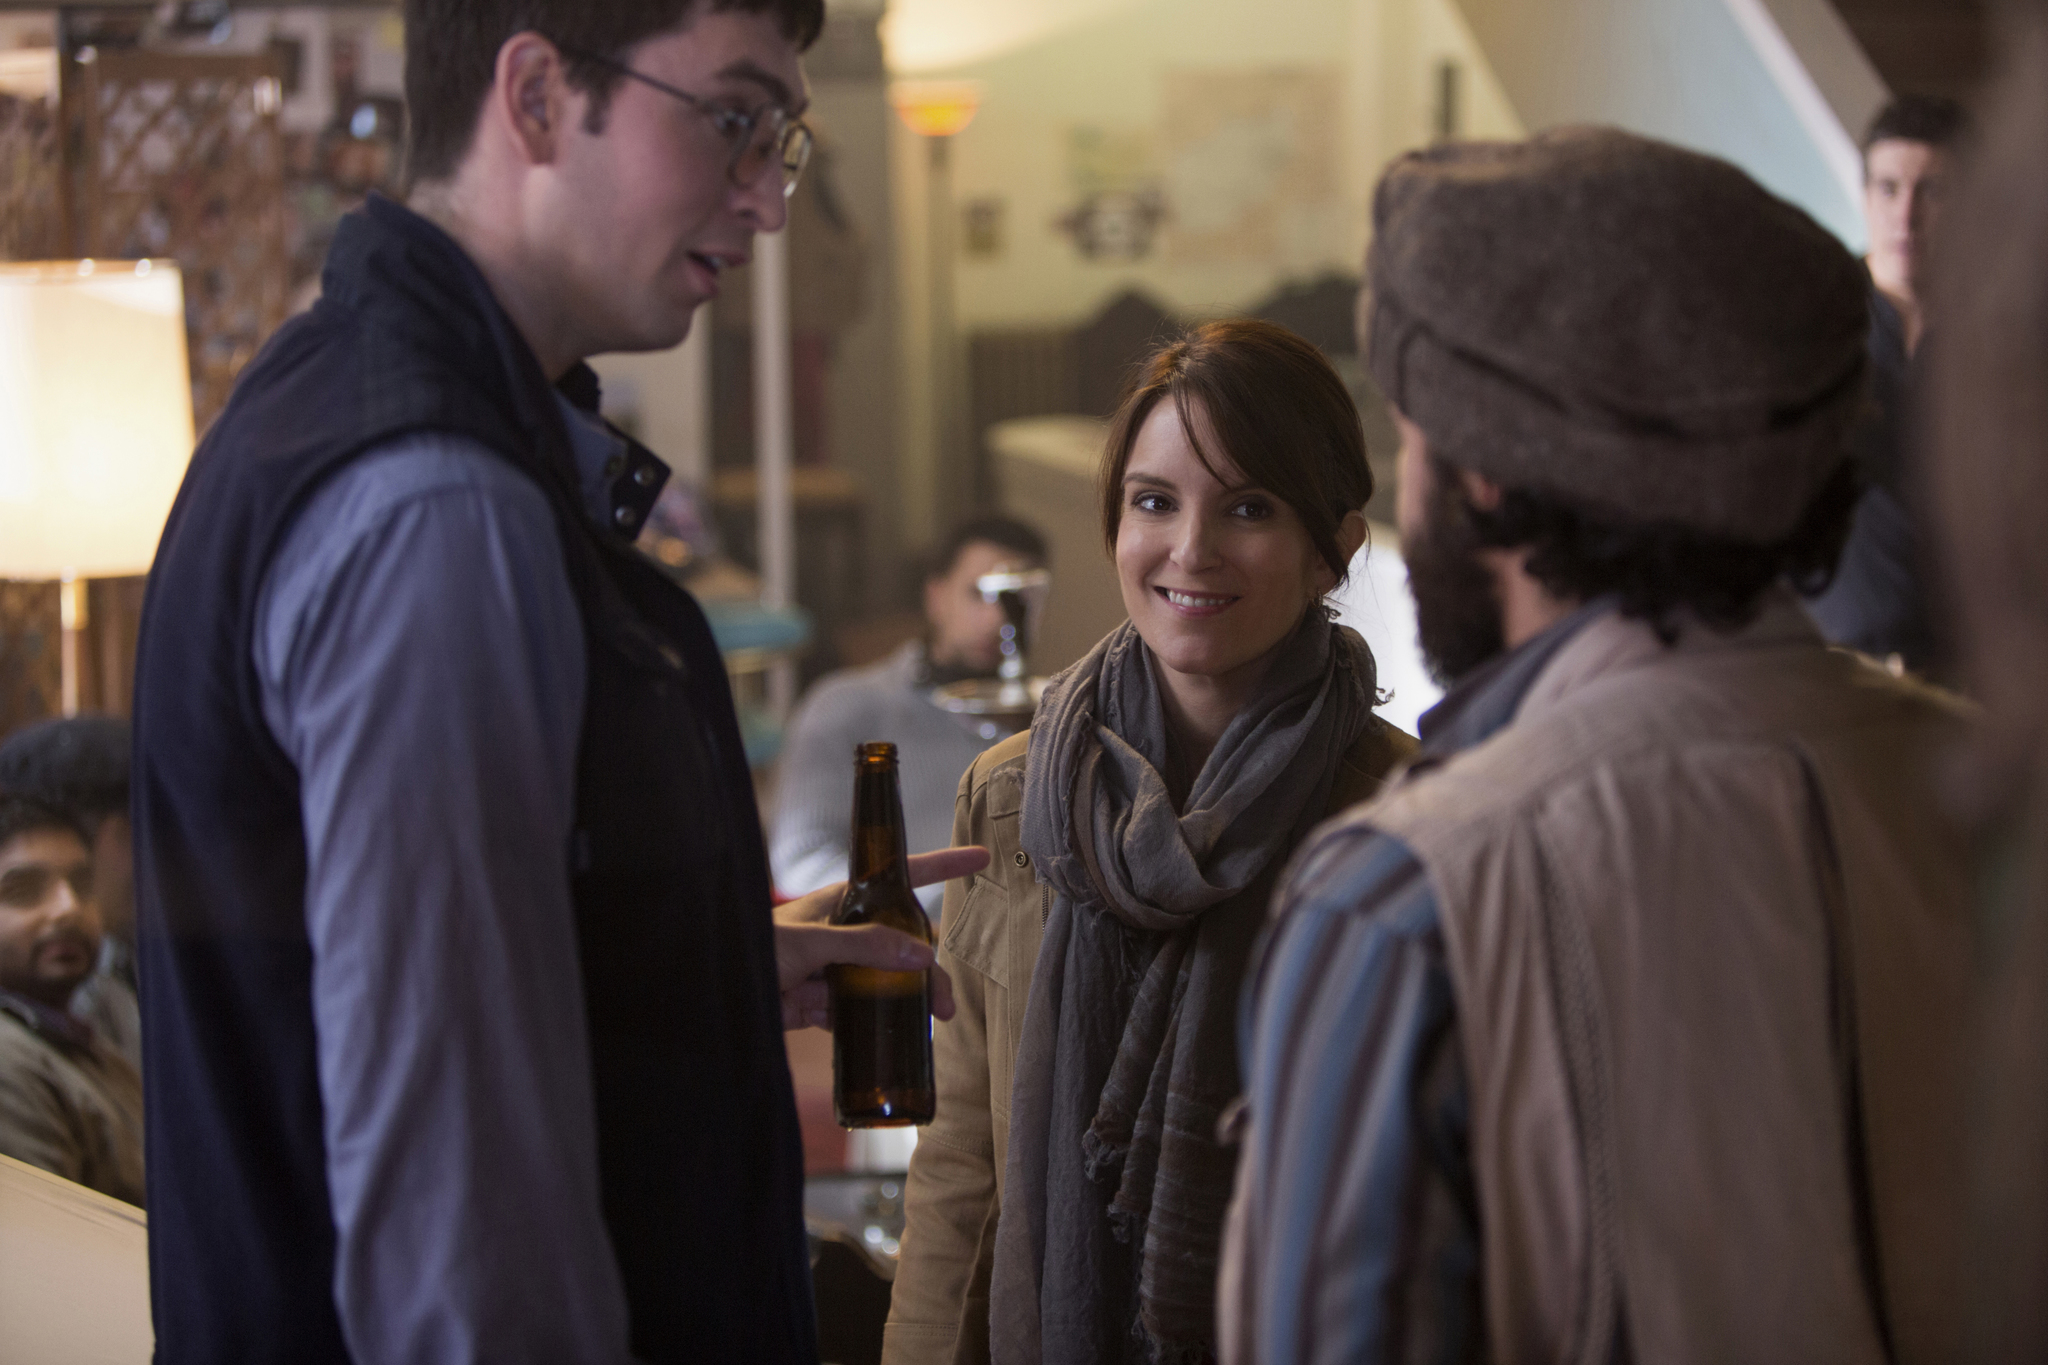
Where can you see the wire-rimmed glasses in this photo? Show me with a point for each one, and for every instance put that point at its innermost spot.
(755, 138)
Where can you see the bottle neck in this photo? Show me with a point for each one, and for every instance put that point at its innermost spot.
(880, 850)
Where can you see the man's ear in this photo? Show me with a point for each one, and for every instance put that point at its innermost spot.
(1482, 492)
(530, 96)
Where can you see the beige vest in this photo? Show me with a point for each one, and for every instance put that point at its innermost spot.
(1709, 942)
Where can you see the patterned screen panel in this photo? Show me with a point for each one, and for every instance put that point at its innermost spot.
(170, 155)
(31, 177)
(185, 159)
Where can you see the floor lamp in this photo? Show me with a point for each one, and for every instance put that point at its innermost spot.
(936, 111)
(95, 425)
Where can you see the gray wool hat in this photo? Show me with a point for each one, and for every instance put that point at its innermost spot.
(1633, 327)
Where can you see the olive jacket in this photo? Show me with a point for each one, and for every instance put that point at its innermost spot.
(989, 934)
(69, 1103)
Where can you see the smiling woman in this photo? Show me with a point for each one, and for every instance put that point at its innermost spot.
(1230, 508)
(1136, 832)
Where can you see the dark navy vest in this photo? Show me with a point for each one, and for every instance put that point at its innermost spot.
(700, 1157)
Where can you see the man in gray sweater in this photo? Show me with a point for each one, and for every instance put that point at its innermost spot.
(891, 701)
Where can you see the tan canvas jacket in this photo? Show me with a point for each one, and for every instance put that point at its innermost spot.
(989, 933)
(74, 1112)
(1707, 932)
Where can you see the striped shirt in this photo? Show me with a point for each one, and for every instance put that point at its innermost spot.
(1361, 1233)
(1364, 1227)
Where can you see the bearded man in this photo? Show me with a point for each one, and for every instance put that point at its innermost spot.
(1625, 1026)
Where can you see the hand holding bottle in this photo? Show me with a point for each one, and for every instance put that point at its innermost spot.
(806, 943)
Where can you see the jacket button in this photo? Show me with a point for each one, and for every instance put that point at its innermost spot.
(1021, 859)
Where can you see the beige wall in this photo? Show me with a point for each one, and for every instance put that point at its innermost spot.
(1137, 77)
(1133, 80)
(1742, 79)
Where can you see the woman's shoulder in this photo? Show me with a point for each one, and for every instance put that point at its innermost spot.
(991, 790)
(1007, 756)
(978, 924)
(1379, 750)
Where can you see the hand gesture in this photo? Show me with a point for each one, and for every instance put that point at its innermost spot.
(805, 943)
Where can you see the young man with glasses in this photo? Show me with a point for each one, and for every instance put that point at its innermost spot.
(461, 986)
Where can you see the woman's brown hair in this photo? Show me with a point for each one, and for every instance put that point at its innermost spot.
(1279, 412)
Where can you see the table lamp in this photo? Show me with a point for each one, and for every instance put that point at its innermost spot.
(95, 424)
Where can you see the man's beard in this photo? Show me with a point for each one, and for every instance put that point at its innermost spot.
(1457, 603)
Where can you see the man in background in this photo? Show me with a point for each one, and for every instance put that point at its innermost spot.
(1878, 601)
(69, 1103)
(1628, 1026)
(79, 765)
(891, 701)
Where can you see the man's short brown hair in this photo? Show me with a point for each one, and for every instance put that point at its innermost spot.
(1933, 119)
(451, 55)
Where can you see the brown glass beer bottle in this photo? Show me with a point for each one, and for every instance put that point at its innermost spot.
(881, 1020)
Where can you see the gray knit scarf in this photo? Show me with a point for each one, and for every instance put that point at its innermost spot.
(1115, 1187)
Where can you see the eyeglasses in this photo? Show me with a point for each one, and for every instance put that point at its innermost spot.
(753, 138)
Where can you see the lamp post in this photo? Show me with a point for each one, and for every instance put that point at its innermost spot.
(95, 425)
(775, 448)
(935, 111)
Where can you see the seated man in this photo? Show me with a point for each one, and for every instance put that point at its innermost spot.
(80, 766)
(1628, 1025)
(890, 701)
(68, 1102)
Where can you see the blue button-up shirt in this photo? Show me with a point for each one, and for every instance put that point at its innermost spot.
(421, 660)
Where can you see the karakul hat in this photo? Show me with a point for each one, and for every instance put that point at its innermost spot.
(1635, 328)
